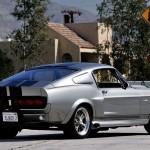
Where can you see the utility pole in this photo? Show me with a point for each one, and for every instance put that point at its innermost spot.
(24, 34)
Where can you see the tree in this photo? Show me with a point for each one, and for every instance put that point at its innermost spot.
(32, 33)
(101, 53)
(6, 66)
(131, 35)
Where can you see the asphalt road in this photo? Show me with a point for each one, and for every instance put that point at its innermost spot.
(133, 138)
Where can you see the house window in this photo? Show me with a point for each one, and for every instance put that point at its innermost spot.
(66, 58)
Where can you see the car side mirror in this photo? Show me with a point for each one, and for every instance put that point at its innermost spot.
(124, 85)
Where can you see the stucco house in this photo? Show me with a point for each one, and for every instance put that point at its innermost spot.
(78, 41)
(70, 42)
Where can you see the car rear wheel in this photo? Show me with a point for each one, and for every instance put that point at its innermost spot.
(80, 124)
(147, 127)
(8, 133)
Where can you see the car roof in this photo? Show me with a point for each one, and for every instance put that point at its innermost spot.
(75, 65)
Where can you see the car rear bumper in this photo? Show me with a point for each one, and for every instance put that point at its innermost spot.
(27, 118)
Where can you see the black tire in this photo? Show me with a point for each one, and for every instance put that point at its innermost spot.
(147, 127)
(79, 125)
(8, 133)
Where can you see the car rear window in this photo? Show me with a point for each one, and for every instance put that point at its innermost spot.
(42, 74)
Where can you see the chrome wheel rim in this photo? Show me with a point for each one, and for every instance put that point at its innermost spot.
(82, 121)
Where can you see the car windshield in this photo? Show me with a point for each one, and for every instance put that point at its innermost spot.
(42, 74)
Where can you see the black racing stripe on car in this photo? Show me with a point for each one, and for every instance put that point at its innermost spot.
(3, 91)
(15, 91)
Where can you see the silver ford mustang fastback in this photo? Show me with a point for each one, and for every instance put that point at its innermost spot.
(77, 98)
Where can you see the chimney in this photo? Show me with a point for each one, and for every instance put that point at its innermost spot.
(69, 15)
(66, 18)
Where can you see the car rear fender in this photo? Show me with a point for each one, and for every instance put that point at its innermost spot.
(83, 102)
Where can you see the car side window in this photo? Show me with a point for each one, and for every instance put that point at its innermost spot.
(106, 78)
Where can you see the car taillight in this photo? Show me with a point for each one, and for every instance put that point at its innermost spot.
(27, 103)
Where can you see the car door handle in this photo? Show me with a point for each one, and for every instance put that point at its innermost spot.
(104, 91)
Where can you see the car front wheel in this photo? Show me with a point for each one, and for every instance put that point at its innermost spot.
(147, 127)
(80, 124)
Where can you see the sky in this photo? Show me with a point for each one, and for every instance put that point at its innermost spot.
(89, 5)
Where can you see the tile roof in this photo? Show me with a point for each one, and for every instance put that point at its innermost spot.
(70, 35)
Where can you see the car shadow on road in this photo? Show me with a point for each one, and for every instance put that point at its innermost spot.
(61, 136)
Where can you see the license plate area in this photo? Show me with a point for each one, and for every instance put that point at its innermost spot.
(10, 117)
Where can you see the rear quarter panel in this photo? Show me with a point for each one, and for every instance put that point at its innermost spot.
(64, 100)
